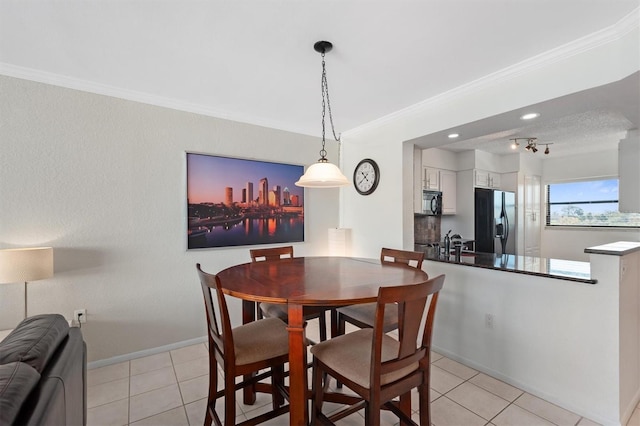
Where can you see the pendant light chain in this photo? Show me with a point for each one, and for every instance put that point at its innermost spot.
(324, 174)
(326, 105)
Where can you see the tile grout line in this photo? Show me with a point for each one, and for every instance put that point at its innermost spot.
(446, 394)
(486, 390)
(184, 406)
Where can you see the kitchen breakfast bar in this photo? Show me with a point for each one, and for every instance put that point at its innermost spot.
(565, 331)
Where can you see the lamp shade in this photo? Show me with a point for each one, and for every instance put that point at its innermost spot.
(26, 264)
(322, 175)
(339, 241)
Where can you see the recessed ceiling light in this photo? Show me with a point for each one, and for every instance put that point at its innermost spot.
(530, 116)
(453, 135)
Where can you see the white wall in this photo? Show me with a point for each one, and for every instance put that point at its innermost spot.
(569, 243)
(440, 159)
(103, 181)
(525, 84)
(556, 339)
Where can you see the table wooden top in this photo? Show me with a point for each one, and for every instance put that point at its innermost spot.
(322, 281)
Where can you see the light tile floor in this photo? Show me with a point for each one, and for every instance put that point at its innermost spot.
(171, 388)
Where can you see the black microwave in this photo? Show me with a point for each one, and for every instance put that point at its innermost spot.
(432, 203)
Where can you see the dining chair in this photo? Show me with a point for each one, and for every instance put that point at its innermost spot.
(378, 367)
(363, 315)
(278, 310)
(242, 351)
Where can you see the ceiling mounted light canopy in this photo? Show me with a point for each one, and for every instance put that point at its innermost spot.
(531, 146)
(323, 174)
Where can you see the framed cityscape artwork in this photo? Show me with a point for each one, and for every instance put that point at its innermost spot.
(238, 202)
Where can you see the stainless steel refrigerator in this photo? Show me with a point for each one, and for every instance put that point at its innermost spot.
(495, 221)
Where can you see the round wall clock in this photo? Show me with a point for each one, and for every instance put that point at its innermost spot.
(366, 176)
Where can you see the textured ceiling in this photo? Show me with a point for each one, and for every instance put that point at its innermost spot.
(253, 61)
(587, 121)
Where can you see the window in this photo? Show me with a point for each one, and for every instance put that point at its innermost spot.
(591, 203)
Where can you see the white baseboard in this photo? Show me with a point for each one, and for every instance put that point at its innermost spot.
(146, 352)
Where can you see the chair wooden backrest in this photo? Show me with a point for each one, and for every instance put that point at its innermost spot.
(411, 258)
(411, 301)
(218, 323)
(275, 253)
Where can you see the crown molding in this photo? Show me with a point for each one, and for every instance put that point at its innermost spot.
(599, 38)
(24, 73)
(607, 35)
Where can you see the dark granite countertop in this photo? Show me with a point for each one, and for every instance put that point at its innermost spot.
(551, 268)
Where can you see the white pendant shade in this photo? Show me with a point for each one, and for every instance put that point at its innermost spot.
(322, 175)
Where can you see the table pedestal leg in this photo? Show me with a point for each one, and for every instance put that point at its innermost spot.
(248, 315)
(298, 412)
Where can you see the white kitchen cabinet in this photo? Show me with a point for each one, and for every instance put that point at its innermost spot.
(431, 179)
(443, 181)
(448, 187)
(532, 215)
(486, 179)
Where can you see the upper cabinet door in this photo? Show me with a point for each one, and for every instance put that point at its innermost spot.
(448, 181)
(485, 179)
(431, 179)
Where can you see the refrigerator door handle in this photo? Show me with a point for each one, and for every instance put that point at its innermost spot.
(506, 226)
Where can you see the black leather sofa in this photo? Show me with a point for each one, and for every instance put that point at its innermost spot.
(43, 371)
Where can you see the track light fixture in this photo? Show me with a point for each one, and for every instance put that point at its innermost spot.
(531, 144)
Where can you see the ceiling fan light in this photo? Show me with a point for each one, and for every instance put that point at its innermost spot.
(322, 175)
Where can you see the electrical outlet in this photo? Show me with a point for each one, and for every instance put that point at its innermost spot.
(488, 321)
(80, 315)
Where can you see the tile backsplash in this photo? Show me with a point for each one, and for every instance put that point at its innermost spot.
(426, 229)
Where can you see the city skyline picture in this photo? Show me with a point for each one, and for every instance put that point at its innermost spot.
(236, 202)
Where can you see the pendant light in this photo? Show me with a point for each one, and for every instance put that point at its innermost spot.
(323, 174)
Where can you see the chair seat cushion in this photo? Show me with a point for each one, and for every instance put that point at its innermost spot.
(274, 310)
(17, 380)
(366, 314)
(277, 310)
(260, 340)
(350, 356)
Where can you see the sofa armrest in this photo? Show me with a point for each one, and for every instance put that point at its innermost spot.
(17, 380)
(34, 340)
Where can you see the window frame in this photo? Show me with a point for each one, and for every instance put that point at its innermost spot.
(548, 204)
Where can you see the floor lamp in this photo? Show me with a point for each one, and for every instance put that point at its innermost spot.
(26, 264)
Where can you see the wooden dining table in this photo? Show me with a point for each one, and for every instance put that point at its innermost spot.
(310, 281)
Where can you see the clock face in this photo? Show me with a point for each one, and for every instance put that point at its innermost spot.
(366, 176)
